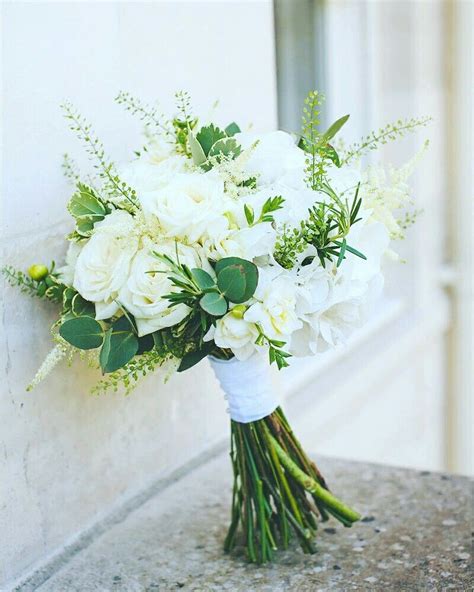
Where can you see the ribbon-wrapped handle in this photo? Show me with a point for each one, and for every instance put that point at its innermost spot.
(247, 387)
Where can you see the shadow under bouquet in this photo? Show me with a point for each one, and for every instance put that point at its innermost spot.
(247, 248)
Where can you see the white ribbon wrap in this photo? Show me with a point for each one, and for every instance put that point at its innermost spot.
(247, 387)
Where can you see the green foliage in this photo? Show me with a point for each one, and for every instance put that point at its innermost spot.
(390, 132)
(82, 332)
(183, 123)
(319, 152)
(333, 130)
(150, 115)
(129, 375)
(325, 229)
(87, 209)
(70, 169)
(194, 357)
(225, 148)
(208, 136)
(198, 155)
(214, 304)
(272, 204)
(203, 279)
(117, 191)
(216, 146)
(49, 287)
(81, 307)
(275, 352)
(119, 347)
(232, 129)
(236, 279)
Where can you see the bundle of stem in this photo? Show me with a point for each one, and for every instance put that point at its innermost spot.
(277, 490)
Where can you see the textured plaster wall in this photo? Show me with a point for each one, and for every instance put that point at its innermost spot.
(68, 458)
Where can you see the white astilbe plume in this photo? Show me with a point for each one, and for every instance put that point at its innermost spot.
(58, 353)
(233, 173)
(385, 194)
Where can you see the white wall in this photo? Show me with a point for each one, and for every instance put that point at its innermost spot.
(69, 458)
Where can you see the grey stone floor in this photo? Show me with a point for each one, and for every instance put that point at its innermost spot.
(416, 535)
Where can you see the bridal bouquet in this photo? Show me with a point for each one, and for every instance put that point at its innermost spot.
(243, 247)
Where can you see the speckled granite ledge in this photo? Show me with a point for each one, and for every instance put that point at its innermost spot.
(416, 535)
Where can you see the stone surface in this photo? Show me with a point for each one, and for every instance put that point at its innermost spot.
(415, 536)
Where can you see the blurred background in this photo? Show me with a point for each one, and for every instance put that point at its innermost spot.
(399, 393)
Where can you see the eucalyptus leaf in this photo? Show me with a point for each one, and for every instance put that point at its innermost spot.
(246, 269)
(208, 136)
(82, 332)
(120, 345)
(214, 303)
(203, 279)
(232, 283)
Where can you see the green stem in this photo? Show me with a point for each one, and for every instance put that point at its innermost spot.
(310, 485)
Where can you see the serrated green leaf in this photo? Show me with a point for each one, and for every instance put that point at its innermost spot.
(208, 136)
(85, 226)
(82, 332)
(82, 307)
(85, 204)
(232, 129)
(225, 147)
(214, 303)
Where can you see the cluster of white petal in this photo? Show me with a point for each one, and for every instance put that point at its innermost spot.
(200, 217)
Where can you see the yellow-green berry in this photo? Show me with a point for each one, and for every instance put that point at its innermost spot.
(38, 272)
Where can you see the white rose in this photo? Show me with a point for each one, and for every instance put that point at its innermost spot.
(143, 293)
(274, 156)
(147, 174)
(188, 205)
(275, 309)
(66, 272)
(234, 333)
(103, 265)
(247, 243)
